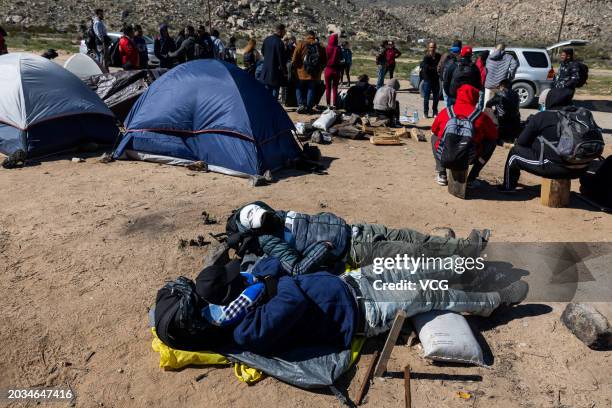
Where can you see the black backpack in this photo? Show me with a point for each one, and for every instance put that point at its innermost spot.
(580, 139)
(583, 74)
(595, 183)
(463, 74)
(456, 148)
(90, 39)
(451, 60)
(115, 55)
(203, 49)
(312, 60)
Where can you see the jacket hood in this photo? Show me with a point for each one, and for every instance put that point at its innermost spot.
(559, 98)
(333, 41)
(394, 83)
(310, 39)
(468, 95)
(496, 55)
(236, 215)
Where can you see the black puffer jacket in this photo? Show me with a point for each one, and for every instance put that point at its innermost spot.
(568, 75)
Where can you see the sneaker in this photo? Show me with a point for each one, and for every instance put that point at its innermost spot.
(502, 189)
(514, 293)
(441, 179)
(301, 109)
(477, 242)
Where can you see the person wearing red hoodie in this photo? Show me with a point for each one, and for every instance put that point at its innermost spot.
(485, 133)
(127, 49)
(332, 70)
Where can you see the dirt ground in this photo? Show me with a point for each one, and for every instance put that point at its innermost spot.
(85, 246)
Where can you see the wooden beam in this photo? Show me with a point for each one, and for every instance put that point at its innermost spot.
(381, 366)
(555, 193)
(407, 396)
(363, 387)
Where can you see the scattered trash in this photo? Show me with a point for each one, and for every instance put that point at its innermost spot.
(257, 181)
(220, 237)
(198, 166)
(78, 160)
(207, 219)
(319, 137)
(303, 128)
(89, 356)
(182, 243)
(105, 158)
(120, 370)
(322, 204)
(588, 324)
(326, 120)
(464, 395)
(200, 377)
(199, 241)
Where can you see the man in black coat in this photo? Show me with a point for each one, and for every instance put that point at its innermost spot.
(465, 72)
(274, 71)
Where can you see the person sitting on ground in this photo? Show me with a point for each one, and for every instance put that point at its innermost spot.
(141, 46)
(164, 44)
(360, 97)
(568, 75)
(251, 56)
(347, 57)
(500, 65)
(267, 311)
(385, 101)
(465, 72)
(484, 138)
(309, 59)
(535, 156)
(218, 46)
(187, 50)
(3, 35)
(127, 50)
(431, 79)
(505, 105)
(333, 67)
(304, 243)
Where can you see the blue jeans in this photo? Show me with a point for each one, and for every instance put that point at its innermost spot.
(381, 306)
(449, 101)
(274, 89)
(431, 87)
(380, 71)
(304, 93)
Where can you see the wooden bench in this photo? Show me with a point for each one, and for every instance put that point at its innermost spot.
(457, 182)
(555, 193)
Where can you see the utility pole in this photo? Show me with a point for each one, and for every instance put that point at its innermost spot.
(562, 20)
(209, 18)
(473, 35)
(497, 27)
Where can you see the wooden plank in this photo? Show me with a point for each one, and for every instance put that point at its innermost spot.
(381, 366)
(402, 132)
(418, 134)
(457, 182)
(385, 140)
(555, 193)
(407, 395)
(363, 387)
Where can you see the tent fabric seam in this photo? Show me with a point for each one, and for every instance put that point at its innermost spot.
(198, 132)
(64, 115)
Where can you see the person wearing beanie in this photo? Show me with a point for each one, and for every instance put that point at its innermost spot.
(385, 101)
(527, 154)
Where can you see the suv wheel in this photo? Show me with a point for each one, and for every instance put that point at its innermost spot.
(525, 92)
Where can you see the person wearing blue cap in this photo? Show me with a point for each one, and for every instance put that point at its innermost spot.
(446, 66)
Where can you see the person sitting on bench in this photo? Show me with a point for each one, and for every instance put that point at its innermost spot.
(270, 311)
(484, 137)
(527, 153)
(505, 105)
(305, 243)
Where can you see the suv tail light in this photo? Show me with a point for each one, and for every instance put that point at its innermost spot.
(551, 74)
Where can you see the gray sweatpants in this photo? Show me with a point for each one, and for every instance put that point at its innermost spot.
(381, 306)
(369, 241)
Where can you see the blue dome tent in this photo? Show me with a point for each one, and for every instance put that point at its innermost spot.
(45, 109)
(214, 112)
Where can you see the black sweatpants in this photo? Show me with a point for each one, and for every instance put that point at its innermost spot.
(526, 158)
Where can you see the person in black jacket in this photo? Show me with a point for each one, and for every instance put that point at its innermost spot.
(360, 97)
(186, 51)
(527, 154)
(164, 44)
(431, 78)
(505, 105)
(568, 75)
(274, 71)
(465, 72)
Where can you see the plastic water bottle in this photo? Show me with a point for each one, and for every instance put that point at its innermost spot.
(415, 116)
(405, 112)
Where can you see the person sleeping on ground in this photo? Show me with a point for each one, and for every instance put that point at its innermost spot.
(304, 243)
(268, 311)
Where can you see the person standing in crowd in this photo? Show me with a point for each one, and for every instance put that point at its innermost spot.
(164, 44)
(309, 59)
(3, 47)
(385, 101)
(505, 105)
(274, 71)
(465, 72)
(219, 47)
(347, 56)
(431, 79)
(205, 47)
(230, 54)
(391, 53)
(381, 64)
(290, 44)
(500, 65)
(251, 57)
(481, 64)
(568, 75)
(141, 46)
(102, 39)
(127, 49)
(187, 49)
(333, 67)
(447, 64)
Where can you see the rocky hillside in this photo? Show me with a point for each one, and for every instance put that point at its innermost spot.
(531, 21)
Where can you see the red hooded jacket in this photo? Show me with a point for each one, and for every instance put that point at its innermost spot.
(128, 52)
(334, 53)
(467, 99)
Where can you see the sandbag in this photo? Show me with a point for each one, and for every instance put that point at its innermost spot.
(326, 120)
(446, 336)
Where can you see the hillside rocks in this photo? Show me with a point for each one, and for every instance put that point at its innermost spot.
(533, 21)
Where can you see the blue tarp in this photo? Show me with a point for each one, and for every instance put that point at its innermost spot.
(210, 111)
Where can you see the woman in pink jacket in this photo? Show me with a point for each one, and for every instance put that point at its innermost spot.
(332, 70)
